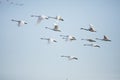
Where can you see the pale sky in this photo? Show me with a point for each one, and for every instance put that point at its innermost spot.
(24, 56)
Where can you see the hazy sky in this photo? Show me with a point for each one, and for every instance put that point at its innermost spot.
(24, 56)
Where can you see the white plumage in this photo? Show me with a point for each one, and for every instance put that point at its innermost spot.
(105, 38)
(50, 40)
(56, 28)
(59, 18)
(20, 22)
(68, 37)
(91, 29)
(40, 18)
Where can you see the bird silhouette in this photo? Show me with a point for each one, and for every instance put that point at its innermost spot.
(40, 18)
(20, 22)
(91, 29)
(90, 40)
(68, 37)
(92, 45)
(105, 38)
(56, 28)
(50, 40)
(70, 57)
(59, 18)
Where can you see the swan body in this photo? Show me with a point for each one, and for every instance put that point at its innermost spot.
(92, 45)
(68, 37)
(90, 40)
(56, 28)
(91, 29)
(49, 39)
(59, 18)
(20, 22)
(40, 18)
(70, 57)
(105, 38)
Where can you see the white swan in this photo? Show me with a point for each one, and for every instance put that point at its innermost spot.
(105, 38)
(49, 39)
(20, 22)
(91, 29)
(68, 37)
(59, 18)
(92, 45)
(40, 18)
(56, 28)
(90, 40)
(70, 57)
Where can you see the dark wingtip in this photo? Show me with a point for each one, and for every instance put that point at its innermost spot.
(62, 19)
(12, 19)
(46, 27)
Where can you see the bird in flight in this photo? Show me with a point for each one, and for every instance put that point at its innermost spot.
(59, 18)
(91, 29)
(105, 38)
(90, 40)
(20, 22)
(70, 57)
(92, 45)
(40, 18)
(68, 37)
(56, 28)
(50, 40)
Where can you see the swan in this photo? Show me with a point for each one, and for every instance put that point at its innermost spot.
(49, 39)
(91, 29)
(70, 57)
(105, 38)
(20, 22)
(90, 40)
(68, 37)
(93, 45)
(56, 28)
(40, 18)
(59, 18)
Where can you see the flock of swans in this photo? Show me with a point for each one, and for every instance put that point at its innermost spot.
(56, 28)
(91, 29)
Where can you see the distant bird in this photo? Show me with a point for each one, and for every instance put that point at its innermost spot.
(92, 45)
(40, 18)
(70, 57)
(68, 37)
(20, 22)
(90, 40)
(91, 29)
(105, 38)
(59, 18)
(56, 28)
(49, 39)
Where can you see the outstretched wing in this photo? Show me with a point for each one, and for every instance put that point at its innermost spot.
(105, 37)
(39, 19)
(56, 27)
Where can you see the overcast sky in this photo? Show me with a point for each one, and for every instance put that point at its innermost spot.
(24, 56)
